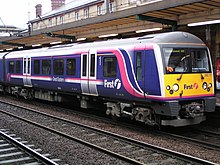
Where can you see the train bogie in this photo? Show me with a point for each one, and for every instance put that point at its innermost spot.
(163, 79)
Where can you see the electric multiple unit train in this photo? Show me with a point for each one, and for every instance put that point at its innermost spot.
(160, 79)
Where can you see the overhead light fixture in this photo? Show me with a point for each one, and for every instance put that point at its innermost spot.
(148, 30)
(36, 45)
(108, 35)
(204, 23)
(9, 49)
(57, 42)
(81, 39)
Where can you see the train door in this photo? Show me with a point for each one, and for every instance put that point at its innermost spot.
(27, 71)
(89, 72)
(140, 68)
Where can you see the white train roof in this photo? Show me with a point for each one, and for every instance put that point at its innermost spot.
(162, 38)
(2, 54)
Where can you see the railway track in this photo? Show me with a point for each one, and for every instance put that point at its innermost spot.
(197, 136)
(200, 137)
(120, 147)
(15, 151)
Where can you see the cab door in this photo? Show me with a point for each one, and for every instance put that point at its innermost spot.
(27, 71)
(89, 72)
(139, 54)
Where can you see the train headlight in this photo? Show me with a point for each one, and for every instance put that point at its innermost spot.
(175, 87)
(168, 87)
(204, 85)
(210, 85)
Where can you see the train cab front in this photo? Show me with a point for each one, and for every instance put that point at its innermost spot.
(188, 85)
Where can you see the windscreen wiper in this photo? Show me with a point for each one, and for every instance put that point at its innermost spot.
(202, 77)
(181, 75)
(183, 58)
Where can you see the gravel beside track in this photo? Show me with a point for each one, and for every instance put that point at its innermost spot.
(80, 155)
(125, 149)
(66, 150)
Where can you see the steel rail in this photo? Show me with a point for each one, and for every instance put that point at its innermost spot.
(121, 157)
(28, 150)
(181, 156)
(193, 140)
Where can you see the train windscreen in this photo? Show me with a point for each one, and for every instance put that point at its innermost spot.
(185, 60)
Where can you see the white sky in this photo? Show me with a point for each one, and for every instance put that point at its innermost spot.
(18, 12)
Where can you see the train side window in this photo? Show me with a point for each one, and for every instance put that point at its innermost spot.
(110, 67)
(84, 69)
(24, 68)
(58, 67)
(29, 65)
(139, 65)
(18, 66)
(46, 67)
(71, 67)
(11, 66)
(36, 66)
(92, 65)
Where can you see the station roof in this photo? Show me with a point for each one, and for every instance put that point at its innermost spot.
(9, 28)
(169, 12)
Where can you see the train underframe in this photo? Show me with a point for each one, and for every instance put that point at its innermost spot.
(173, 113)
(162, 114)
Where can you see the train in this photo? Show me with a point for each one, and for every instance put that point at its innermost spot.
(163, 79)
